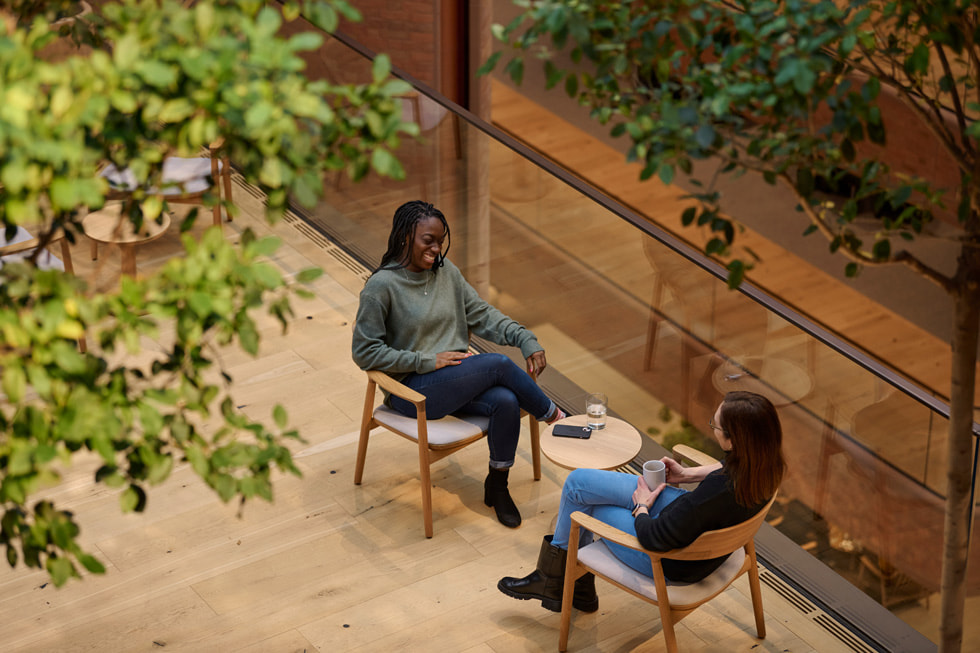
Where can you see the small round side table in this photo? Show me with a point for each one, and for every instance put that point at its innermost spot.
(608, 448)
(109, 227)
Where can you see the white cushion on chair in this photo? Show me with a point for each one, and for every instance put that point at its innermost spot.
(597, 556)
(45, 260)
(191, 174)
(441, 432)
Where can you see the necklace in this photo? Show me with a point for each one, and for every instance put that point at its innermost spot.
(425, 291)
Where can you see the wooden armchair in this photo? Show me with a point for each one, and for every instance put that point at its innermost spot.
(435, 439)
(23, 246)
(674, 601)
(184, 181)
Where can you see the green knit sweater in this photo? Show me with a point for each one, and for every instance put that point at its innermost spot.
(405, 318)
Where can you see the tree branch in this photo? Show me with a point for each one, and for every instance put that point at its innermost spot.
(954, 93)
(904, 257)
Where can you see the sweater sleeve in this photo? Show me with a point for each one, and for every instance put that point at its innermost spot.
(369, 347)
(488, 322)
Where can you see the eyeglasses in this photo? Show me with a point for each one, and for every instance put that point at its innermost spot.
(714, 427)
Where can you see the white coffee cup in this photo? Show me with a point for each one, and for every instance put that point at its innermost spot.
(654, 473)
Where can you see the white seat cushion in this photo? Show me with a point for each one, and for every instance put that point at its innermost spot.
(45, 260)
(446, 431)
(597, 556)
(191, 175)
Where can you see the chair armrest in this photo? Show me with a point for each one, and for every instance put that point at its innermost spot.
(17, 248)
(607, 532)
(394, 387)
(691, 456)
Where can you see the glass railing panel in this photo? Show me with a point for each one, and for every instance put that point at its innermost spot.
(620, 311)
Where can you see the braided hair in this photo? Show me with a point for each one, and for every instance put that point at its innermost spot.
(403, 225)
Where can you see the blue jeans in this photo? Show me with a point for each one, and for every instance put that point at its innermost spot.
(607, 496)
(490, 385)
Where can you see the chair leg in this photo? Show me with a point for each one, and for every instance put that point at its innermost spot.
(426, 480)
(653, 326)
(756, 591)
(227, 179)
(367, 422)
(568, 590)
(666, 616)
(535, 446)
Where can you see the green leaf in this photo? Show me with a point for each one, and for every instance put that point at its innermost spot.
(489, 64)
(881, 250)
(279, 416)
(687, 217)
(91, 563)
(515, 68)
(309, 275)
(132, 499)
(571, 85)
(552, 74)
(60, 570)
(804, 181)
(381, 68)
(918, 61)
(384, 163)
(736, 273)
(14, 382)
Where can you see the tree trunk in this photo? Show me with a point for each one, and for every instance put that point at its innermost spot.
(956, 540)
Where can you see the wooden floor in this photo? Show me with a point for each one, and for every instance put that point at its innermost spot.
(330, 566)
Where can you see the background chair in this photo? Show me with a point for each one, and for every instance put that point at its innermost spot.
(184, 181)
(675, 601)
(436, 439)
(22, 247)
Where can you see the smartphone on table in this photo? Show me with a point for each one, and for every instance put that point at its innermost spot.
(570, 431)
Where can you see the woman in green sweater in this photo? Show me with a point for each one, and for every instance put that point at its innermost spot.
(414, 320)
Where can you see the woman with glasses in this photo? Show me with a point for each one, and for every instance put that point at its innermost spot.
(665, 518)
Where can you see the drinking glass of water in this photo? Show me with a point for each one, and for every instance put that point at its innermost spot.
(595, 408)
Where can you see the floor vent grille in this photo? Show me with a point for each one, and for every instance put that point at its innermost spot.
(815, 614)
(327, 245)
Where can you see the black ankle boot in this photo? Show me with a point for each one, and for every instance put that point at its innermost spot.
(496, 495)
(585, 598)
(545, 582)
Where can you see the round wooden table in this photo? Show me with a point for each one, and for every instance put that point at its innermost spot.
(609, 448)
(108, 227)
(781, 381)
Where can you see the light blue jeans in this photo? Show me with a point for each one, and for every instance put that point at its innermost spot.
(607, 496)
(485, 384)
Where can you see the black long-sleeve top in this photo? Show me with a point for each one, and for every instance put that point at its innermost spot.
(710, 506)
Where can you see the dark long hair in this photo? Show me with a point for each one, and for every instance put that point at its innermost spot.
(755, 463)
(403, 225)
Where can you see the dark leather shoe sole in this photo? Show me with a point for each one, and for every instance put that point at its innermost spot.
(547, 603)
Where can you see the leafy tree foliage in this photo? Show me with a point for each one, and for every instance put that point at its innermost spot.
(156, 79)
(793, 90)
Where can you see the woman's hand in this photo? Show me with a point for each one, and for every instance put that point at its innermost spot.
(643, 495)
(536, 363)
(675, 471)
(450, 358)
